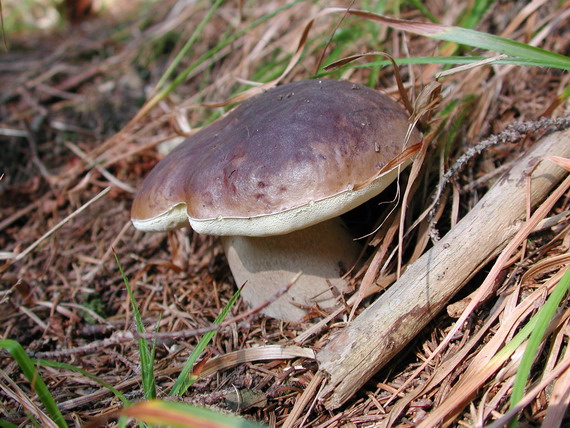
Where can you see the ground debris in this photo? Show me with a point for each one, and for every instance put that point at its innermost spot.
(67, 100)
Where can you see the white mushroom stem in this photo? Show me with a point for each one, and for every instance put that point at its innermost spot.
(323, 253)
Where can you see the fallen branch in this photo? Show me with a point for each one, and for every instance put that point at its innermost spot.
(393, 320)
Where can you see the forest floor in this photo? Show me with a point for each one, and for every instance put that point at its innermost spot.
(72, 129)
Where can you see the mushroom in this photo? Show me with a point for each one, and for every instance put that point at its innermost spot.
(273, 176)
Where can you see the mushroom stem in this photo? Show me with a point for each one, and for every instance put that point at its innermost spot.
(323, 253)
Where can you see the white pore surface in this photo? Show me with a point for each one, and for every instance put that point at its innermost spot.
(297, 218)
(271, 224)
(172, 219)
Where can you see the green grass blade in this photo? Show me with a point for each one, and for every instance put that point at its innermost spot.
(6, 424)
(476, 39)
(185, 378)
(146, 357)
(509, 349)
(475, 13)
(153, 348)
(181, 77)
(188, 45)
(38, 385)
(65, 366)
(176, 414)
(565, 93)
(513, 48)
(543, 319)
(33, 420)
(423, 60)
(123, 422)
(419, 5)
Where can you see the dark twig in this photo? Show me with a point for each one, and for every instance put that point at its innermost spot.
(514, 132)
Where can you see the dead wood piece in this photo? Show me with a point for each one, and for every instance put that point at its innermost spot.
(395, 318)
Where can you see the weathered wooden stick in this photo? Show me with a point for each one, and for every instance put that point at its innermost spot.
(395, 318)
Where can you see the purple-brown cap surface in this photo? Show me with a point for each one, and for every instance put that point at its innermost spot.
(281, 161)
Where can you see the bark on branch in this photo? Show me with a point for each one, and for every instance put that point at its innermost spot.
(395, 318)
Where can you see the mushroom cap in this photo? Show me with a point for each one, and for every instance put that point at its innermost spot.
(294, 156)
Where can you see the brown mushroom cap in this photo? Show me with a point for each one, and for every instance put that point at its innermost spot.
(281, 161)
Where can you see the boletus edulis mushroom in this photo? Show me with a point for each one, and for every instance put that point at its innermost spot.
(273, 176)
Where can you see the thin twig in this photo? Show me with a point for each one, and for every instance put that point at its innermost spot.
(514, 132)
(61, 224)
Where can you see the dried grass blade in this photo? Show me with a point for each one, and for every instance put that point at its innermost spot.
(561, 369)
(367, 285)
(446, 368)
(544, 317)
(539, 214)
(343, 61)
(394, 163)
(544, 265)
(197, 31)
(242, 96)
(414, 174)
(490, 358)
(559, 399)
(150, 104)
(525, 12)
(263, 353)
(23, 399)
(319, 326)
(38, 385)
(560, 161)
(91, 164)
(303, 400)
(58, 226)
(466, 67)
